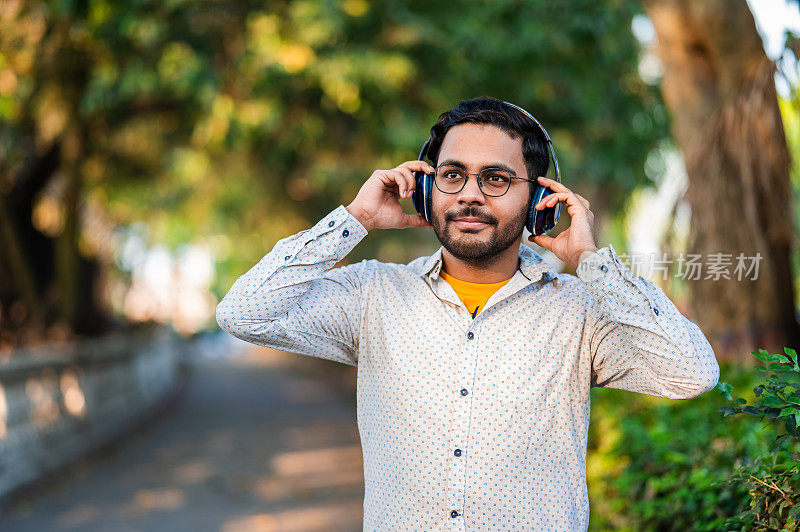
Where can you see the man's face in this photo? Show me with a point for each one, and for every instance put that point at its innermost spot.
(474, 147)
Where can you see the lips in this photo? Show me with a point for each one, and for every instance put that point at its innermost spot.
(470, 222)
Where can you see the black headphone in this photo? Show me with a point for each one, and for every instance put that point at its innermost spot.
(537, 222)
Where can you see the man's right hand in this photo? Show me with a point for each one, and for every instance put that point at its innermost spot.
(376, 205)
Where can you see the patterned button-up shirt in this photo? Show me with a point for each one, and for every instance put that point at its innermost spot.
(470, 424)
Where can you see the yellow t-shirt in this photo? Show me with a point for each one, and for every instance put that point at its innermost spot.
(474, 295)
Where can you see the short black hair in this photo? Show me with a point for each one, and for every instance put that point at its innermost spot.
(488, 110)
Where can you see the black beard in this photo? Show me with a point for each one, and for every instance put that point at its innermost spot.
(478, 253)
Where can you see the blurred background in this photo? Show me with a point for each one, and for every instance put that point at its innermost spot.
(152, 152)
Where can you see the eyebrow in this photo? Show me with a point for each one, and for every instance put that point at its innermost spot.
(453, 162)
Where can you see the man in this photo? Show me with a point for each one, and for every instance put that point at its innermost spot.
(472, 415)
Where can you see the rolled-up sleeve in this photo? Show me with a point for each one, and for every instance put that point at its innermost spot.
(294, 301)
(638, 340)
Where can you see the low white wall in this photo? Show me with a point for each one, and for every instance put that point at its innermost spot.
(60, 402)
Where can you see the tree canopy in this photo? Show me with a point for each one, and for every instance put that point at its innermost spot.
(239, 123)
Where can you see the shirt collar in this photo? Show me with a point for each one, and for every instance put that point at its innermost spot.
(532, 265)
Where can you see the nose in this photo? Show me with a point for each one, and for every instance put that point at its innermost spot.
(471, 193)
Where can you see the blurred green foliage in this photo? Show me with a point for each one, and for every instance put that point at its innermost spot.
(239, 123)
(773, 481)
(660, 464)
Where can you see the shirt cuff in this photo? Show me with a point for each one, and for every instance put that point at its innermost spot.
(605, 274)
(596, 265)
(340, 231)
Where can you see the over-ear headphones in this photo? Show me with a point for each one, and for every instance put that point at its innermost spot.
(537, 222)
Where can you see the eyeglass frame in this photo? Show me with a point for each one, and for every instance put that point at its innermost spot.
(477, 178)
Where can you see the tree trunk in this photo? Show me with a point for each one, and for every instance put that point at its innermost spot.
(718, 85)
(47, 287)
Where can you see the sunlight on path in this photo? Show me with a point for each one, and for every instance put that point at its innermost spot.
(250, 446)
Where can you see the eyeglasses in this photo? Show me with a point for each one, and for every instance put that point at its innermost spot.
(492, 181)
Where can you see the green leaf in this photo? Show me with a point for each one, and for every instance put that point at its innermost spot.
(772, 401)
(791, 411)
(761, 354)
(772, 357)
(751, 410)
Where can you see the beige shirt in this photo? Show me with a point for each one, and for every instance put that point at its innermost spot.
(470, 423)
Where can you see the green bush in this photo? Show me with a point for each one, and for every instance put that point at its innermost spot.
(772, 480)
(661, 464)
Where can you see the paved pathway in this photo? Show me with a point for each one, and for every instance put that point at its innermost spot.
(249, 446)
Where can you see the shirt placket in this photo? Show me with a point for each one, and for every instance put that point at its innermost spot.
(459, 435)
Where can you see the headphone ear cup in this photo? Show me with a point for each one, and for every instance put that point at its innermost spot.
(423, 184)
(422, 194)
(429, 196)
(529, 220)
(541, 221)
(416, 196)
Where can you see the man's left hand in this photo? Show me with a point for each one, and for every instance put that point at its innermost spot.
(576, 242)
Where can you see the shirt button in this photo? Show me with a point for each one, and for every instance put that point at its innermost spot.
(603, 267)
(345, 232)
(470, 335)
(286, 257)
(330, 224)
(656, 311)
(454, 514)
(457, 452)
(464, 391)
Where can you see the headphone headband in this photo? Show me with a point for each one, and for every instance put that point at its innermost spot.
(546, 136)
(424, 151)
(537, 222)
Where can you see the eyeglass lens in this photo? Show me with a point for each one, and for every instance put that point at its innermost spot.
(493, 181)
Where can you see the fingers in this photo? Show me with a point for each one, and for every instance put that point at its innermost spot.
(407, 169)
(415, 220)
(552, 199)
(552, 184)
(557, 186)
(392, 178)
(418, 166)
(543, 240)
(408, 181)
(403, 176)
(575, 206)
(560, 193)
